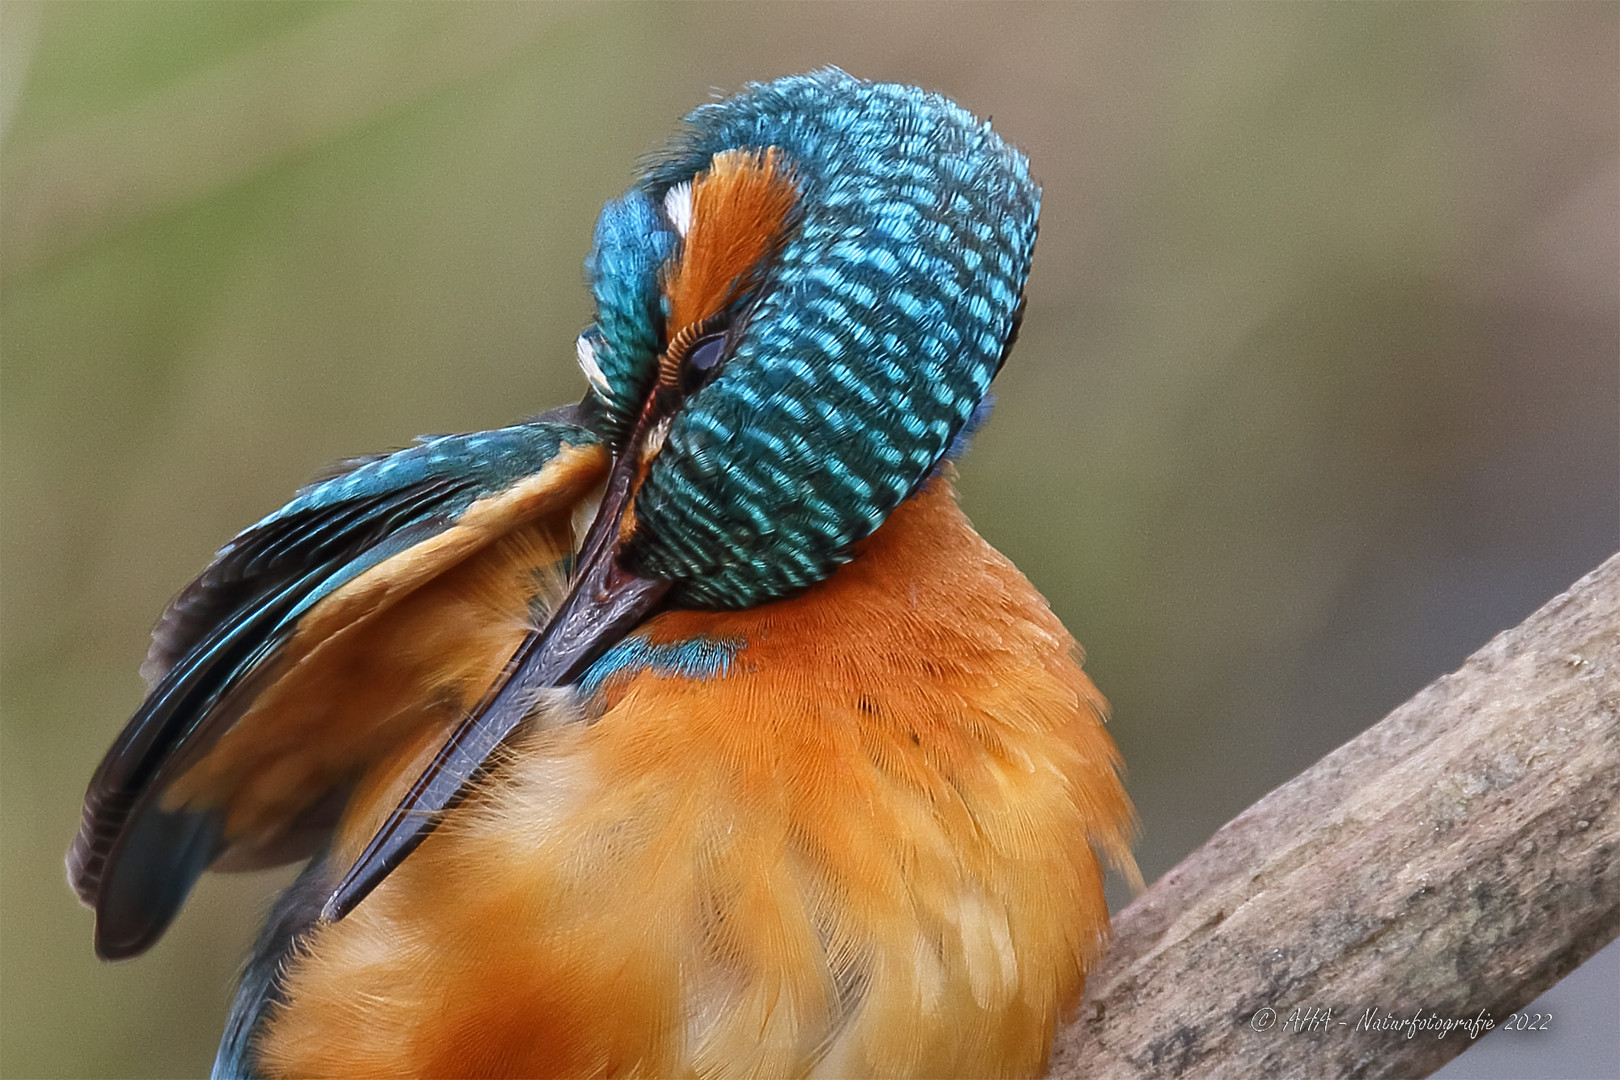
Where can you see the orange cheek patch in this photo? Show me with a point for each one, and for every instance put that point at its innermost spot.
(740, 211)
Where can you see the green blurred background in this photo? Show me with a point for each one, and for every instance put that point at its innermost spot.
(1319, 385)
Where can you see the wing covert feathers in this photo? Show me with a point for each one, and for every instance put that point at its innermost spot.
(231, 756)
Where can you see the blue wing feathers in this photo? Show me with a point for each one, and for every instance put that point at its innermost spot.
(162, 854)
(441, 477)
(218, 642)
(160, 728)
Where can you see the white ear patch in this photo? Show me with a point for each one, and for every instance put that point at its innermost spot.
(585, 353)
(678, 207)
(655, 440)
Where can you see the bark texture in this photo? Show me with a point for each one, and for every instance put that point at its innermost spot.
(1450, 863)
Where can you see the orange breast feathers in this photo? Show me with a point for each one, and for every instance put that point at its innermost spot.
(866, 844)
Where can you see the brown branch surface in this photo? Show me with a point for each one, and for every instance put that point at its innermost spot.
(1457, 858)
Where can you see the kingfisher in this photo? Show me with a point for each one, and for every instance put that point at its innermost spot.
(688, 730)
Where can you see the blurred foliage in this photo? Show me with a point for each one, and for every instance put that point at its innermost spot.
(1318, 386)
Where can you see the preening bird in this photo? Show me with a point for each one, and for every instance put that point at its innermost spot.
(688, 730)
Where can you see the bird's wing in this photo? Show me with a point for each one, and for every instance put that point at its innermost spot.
(340, 552)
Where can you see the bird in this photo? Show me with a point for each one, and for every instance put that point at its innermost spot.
(691, 729)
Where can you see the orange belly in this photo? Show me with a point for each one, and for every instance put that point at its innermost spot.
(865, 845)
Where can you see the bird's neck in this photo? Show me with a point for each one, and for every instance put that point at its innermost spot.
(926, 567)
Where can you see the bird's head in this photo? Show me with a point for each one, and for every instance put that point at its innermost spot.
(798, 308)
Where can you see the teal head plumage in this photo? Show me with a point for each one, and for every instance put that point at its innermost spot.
(863, 352)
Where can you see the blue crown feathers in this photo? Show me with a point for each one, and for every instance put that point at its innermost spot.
(874, 338)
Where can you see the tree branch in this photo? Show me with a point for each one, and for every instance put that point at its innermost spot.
(1457, 858)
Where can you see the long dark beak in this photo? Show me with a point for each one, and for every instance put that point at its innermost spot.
(604, 604)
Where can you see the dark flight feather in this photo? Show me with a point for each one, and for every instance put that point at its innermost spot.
(217, 645)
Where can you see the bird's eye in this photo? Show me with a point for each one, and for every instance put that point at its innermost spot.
(702, 361)
(706, 352)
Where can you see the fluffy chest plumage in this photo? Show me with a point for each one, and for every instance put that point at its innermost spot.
(858, 842)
